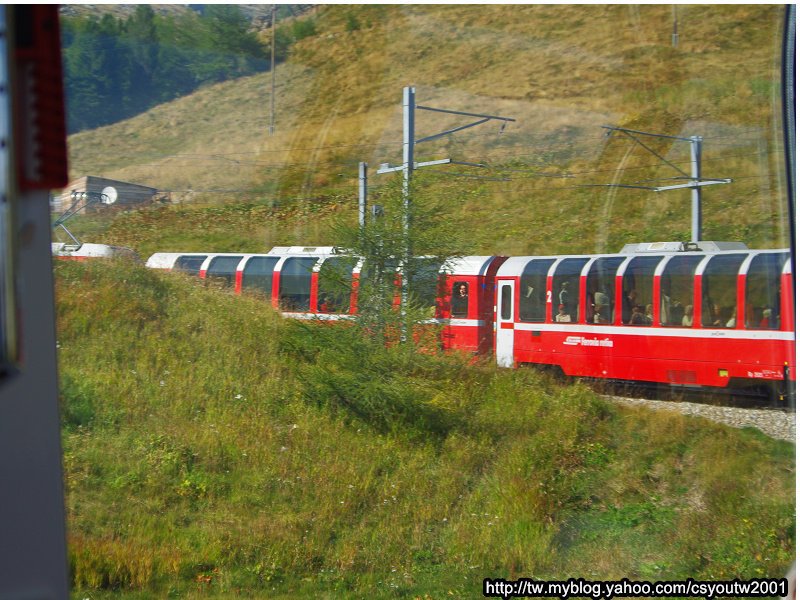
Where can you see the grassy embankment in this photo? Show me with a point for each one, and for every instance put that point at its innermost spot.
(213, 449)
(561, 71)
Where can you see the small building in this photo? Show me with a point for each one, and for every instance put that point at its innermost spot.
(119, 193)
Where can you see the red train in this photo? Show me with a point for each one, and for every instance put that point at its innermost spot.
(701, 314)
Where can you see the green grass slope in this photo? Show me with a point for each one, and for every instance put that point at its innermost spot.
(213, 449)
(561, 71)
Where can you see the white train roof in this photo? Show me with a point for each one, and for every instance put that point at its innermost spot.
(166, 260)
(468, 265)
(90, 250)
(515, 265)
(303, 250)
(662, 247)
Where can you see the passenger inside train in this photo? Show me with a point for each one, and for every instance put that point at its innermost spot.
(459, 300)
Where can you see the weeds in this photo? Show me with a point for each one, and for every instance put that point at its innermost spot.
(282, 458)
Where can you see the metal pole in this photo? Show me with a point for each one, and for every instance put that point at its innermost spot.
(697, 206)
(674, 26)
(362, 194)
(409, 94)
(272, 72)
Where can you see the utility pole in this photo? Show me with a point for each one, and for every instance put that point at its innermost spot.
(272, 73)
(697, 206)
(409, 165)
(695, 179)
(362, 194)
(409, 103)
(674, 26)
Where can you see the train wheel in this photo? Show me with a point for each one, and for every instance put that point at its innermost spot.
(782, 395)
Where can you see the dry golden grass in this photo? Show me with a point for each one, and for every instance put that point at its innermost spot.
(560, 71)
(211, 445)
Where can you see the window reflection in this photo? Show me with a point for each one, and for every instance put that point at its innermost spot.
(763, 291)
(566, 287)
(677, 291)
(257, 275)
(533, 291)
(222, 269)
(295, 284)
(637, 291)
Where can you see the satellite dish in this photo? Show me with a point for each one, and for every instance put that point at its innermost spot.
(109, 195)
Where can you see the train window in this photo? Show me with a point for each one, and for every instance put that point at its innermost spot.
(371, 273)
(257, 275)
(425, 280)
(295, 284)
(601, 290)
(637, 290)
(335, 284)
(566, 286)
(505, 302)
(677, 291)
(533, 290)
(719, 289)
(378, 279)
(223, 269)
(459, 299)
(762, 298)
(190, 264)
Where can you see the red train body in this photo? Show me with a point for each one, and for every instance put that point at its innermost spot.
(742, 334)
(706, 314)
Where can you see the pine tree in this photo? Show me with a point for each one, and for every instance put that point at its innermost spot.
(383, 243)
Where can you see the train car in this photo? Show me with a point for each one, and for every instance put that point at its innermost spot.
(292, 278)
(321, 283)
(634, 316)
(82, 252)
(704, 314)
(466, 304)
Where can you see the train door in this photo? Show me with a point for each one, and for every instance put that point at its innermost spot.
(504, 324)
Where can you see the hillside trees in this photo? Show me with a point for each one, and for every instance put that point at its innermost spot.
(93, 62)
(223, 45)
(117, 68)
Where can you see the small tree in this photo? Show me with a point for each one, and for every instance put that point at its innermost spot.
(432, 241)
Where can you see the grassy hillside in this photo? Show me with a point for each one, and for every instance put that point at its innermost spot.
(213, 449)
(561, 71)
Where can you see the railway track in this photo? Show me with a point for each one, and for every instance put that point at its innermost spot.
(778, 423)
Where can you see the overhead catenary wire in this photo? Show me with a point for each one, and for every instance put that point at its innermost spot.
(392, 144)
(519, 189)
(581, 152)
(462, 142)
(509, 189)
(187, 159)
